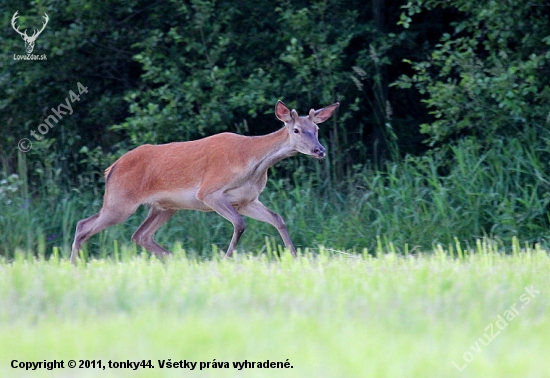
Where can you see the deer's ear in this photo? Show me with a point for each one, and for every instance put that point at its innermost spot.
(295, 115)
(282, 112)
(321, 115)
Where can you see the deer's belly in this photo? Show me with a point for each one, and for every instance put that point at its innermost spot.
(185, 199)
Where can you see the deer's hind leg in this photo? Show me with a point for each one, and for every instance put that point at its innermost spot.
(86, 228)
(144, 235)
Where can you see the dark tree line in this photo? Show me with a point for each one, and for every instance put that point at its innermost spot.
(405, 73)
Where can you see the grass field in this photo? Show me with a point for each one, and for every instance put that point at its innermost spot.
(446, 313)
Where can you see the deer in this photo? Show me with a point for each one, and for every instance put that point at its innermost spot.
(29, 41)
(224, 173)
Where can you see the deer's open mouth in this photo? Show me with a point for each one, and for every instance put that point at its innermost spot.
(319, 156)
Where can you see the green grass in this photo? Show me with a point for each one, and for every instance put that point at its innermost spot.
(330, 314)
(463, 192)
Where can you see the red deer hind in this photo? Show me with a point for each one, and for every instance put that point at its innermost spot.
(224, 173)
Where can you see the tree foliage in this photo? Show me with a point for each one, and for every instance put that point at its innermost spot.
(490, 76)
(178, 70)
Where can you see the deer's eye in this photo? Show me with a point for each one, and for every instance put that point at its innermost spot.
(296, 131)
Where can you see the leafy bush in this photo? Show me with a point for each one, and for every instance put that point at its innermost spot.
(489, 77)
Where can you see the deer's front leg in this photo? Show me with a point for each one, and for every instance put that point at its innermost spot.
(257, 210)
(220, 204)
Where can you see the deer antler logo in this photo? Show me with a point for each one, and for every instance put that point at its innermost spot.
(29, 41)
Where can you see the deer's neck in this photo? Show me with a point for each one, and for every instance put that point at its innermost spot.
(271, 148)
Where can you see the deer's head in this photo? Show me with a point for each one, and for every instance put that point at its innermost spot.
(304, 130)
(29, 41)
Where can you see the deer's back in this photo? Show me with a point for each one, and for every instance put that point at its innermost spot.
(171, 175)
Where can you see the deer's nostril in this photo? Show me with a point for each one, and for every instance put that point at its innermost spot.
(319, 151)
